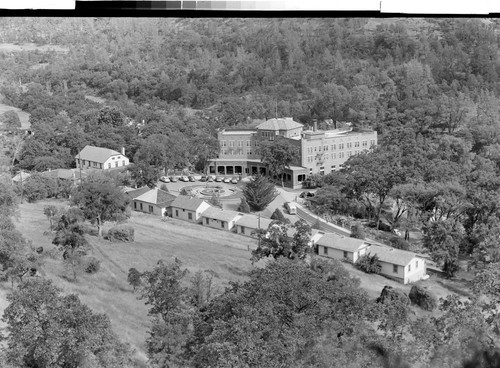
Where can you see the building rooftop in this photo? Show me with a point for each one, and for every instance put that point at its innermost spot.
(134, 193)
(187, 203)
(279, 124)
(156, 196)
(252, 221)
(238, 132)
(66, 174)
(218, 214)
(341, 242)
(22, 175)
(391, 255)
(96, 154)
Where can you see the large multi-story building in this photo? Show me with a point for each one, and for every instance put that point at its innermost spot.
(320, 152)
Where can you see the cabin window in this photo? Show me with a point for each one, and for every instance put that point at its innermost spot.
(222, 224)
(140, 204)
(190, 216)
(395, 268)
(325, 250)
(242, 229)
(345, 254)
(409, 267)
(207, 221)
(135, 205)
(150, 209)
(123, 163)
(177, 213)
(109, 165)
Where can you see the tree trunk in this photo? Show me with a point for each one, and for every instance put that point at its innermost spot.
(99, 227)
(282, 183)
(378, 215)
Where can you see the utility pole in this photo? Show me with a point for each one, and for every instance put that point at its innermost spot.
(276, 108)
(22, 189)
(260, 234)
(80, 165)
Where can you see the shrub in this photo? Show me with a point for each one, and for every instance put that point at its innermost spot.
(450, 266)
(278, 216)
(244, 207)
(423, 298)
(357, 231)
(389, 294)
(215, 201)
(369, 264)
(92, 265)
(134, 278)
(123, 233)
(399, 243)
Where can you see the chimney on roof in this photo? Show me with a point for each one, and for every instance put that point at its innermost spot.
(315, 126)
(123, 151)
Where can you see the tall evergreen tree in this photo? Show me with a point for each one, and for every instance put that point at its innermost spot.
(259, 192)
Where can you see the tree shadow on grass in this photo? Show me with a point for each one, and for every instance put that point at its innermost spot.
(457, 286)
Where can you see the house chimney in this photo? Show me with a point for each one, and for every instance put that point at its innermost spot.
(123, 151)
(315, 127)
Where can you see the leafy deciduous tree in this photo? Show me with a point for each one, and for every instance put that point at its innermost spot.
(47, 329)
(101, 200)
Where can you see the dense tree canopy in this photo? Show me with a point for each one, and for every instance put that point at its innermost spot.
(48, 329)
(101, 200)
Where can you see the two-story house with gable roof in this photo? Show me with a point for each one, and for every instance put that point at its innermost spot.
(91, 157)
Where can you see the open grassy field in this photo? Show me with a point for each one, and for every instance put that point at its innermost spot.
(23, 116)
(198, 247)
(107, 291)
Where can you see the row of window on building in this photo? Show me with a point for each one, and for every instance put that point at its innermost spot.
(340, 146)
(99, 165)
(235, 152)
(239, 143)
(332, 156)
(141, 207)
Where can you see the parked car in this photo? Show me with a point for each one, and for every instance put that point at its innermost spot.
(173, 179)
(396, 232)
(203, 178)
(234, 180)
(227, 180)
(218, 179)
(165, 179)
(191, 178)
(184, 178)
(291, 208)
(210, 179)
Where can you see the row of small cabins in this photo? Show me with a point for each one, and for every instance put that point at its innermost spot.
(400, 265)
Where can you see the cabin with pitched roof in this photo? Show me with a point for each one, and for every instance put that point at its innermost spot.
(188, 208)
(220, 219)
(250, 224)
(91, 157)
(154, 201)
(340, 247)
(402, 265)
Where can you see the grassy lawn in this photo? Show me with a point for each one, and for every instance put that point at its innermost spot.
(108, 291)
(198, 247)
